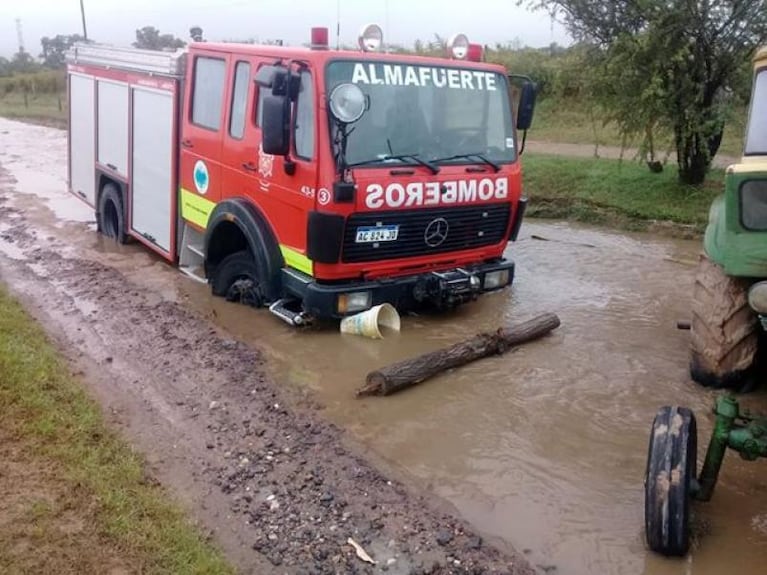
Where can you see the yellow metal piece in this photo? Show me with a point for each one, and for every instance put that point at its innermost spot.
(195, 208)
(749, 164)
(761, 57)
(297, 260)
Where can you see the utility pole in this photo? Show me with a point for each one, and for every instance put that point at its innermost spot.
(20, 35)
(82, 14)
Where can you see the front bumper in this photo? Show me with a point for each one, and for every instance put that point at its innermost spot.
(440, 290)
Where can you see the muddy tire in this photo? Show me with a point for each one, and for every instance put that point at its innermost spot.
(236, 279)
(671, 468)
(111, 214)
(724, 334)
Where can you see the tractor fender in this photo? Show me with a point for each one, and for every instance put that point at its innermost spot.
(715, 238)
(237, 224)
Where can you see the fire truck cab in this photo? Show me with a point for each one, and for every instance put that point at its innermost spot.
(312, 181)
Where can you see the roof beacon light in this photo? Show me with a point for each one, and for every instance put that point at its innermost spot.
(475, 53)
(371, 38)
(458, 46)
(319, 39)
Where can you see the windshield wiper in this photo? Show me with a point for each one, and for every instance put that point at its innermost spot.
(414, 157)
(480, 157)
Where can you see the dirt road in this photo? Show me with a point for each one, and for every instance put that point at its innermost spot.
(279, 488)
(542, 449)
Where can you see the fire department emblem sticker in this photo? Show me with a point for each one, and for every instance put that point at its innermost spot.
(201, 178)
(265, 162)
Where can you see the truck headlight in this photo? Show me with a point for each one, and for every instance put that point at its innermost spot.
(354, 301)
(757, 297)
(496, 279)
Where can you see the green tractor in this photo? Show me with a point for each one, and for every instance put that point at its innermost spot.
(728, 298)
(729, 320)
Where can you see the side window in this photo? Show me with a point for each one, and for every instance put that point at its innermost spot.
(239, 100)
(208, 95)
(304, 128)
(259, 110)
(756, 135)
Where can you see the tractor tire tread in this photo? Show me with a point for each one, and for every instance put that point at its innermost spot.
(724, 336)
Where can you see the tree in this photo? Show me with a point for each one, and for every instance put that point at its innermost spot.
(5, 67)
(23, 62)
(678, 61)
(149, 38)
(54, 49)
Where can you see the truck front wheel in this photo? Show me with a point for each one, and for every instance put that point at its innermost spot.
(236, 279)
(111, 215)
(724, 329)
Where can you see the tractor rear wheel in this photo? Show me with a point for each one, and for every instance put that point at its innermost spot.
(671, 468)
(724, 336)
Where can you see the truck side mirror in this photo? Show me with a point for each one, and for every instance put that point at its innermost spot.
(526, 106)
(275, 130)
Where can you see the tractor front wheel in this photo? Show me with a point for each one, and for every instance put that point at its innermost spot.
(724, 335)
(671, 468)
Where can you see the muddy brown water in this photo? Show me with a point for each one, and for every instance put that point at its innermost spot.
(543, 447)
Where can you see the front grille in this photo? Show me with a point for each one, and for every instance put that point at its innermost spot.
(468, 227)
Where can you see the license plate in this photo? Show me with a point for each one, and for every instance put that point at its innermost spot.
(372, 234)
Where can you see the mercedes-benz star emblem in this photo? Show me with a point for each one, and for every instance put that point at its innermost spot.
(436, 232)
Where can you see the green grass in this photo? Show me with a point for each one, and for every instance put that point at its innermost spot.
(49, 109)
(44, 409)
(572, 123)
(622, 194)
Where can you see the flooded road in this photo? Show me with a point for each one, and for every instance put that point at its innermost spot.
(544, 447)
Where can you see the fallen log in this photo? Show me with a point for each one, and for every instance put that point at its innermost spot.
(408, 372)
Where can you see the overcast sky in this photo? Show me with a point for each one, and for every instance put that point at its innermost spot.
(115, 21)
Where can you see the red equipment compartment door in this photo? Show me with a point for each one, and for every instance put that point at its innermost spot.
(203, 128)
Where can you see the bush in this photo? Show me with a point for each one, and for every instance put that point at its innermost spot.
(42, 82)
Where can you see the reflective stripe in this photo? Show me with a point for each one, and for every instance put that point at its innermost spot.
(195, 208)
(296, 260)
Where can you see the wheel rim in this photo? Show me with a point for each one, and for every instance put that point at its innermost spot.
(245, 289)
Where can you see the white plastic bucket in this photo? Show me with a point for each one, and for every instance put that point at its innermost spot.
(370, 322)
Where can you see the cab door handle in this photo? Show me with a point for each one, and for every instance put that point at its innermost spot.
(187, 143)
(250, 166)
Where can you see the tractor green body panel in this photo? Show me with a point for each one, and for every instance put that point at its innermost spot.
(740, 251)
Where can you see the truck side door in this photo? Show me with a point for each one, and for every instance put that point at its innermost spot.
(201, 138)
(284, 199)
(298, 192)
(240, 164)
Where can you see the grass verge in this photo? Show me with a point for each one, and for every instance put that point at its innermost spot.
(88, 498)
(622, 194)
(571, 123)
(46, 109)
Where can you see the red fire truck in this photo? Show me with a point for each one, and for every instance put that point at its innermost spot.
(316, 182)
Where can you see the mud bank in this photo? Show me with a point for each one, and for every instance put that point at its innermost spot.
(279, 488)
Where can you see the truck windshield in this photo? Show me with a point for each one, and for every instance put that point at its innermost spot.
(439, 114)
(756, 138)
